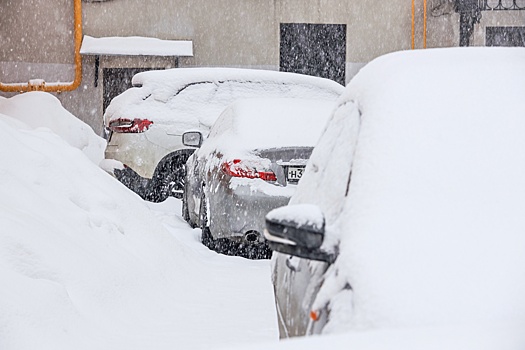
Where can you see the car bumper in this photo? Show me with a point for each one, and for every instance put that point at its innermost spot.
(137, 151)
(242, 208)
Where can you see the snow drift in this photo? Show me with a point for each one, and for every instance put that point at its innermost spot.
(43, 110)
(85, 263)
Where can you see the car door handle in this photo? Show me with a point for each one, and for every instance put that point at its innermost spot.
(292, 266)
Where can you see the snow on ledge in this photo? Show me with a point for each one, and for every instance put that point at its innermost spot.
(135, 46)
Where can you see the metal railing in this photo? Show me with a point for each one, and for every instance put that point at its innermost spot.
(501, 5)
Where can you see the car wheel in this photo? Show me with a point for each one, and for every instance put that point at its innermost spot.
(172, 179)
(168, 180)
(206, 237)
(185, 210)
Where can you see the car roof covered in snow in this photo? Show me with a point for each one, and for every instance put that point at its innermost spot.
(192, 98)
(259, 123)
(178, 78)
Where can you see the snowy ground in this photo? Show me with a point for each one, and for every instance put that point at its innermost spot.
(86, 264)
(237, 291)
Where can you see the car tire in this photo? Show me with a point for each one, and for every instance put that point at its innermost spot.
(171, 179)
(206, 237)
(185, 210)
(168, 179)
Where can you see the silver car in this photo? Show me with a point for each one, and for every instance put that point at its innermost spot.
(250, 163)
(145, 123)
(410, 211)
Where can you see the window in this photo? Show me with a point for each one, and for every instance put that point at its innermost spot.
(314, 49)
(505, 36)
(116, 81)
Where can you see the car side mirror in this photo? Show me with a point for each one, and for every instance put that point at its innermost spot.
(298, 230)
(192, 139)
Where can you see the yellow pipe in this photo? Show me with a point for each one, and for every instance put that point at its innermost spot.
(424, 24)
(413, 25)
(55, 87)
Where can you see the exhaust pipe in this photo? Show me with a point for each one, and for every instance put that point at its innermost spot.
(252, 236)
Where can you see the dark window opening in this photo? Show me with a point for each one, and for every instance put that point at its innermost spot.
(314, 49)
(116, 81)
(505, 36)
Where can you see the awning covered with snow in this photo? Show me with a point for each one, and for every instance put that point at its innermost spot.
(135, 46)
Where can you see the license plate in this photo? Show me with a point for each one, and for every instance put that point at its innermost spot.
(295, 173)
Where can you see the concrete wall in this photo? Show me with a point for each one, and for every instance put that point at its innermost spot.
(36, 36)
(36, 31)
(246, 33)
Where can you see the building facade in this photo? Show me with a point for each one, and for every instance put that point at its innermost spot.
(331, 38)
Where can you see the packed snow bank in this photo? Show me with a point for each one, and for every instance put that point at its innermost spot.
(43, 110)
(75, 246)
(84, 263)
(493, 337)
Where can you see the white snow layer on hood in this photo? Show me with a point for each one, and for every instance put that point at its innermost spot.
(33, 110)
(432, 231)
(183, 99)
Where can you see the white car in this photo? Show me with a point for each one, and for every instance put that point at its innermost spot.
(145, 123)
(411, 210)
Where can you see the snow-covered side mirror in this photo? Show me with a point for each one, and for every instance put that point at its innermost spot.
(192, 139)
(297, 230)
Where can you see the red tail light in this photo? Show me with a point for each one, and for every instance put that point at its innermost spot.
(238, 168)
(129, 126)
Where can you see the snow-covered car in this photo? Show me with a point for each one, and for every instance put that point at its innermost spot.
(145, 123)
(250, 163)
(410, 210)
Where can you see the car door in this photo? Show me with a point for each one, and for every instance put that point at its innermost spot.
(325, 183)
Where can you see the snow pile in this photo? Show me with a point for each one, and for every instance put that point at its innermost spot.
(183, 99)
(482, 337)
(85, 264)
(67, 243)
(42, 110)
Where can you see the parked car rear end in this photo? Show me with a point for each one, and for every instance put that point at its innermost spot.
(250, 163)
(145, 123)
